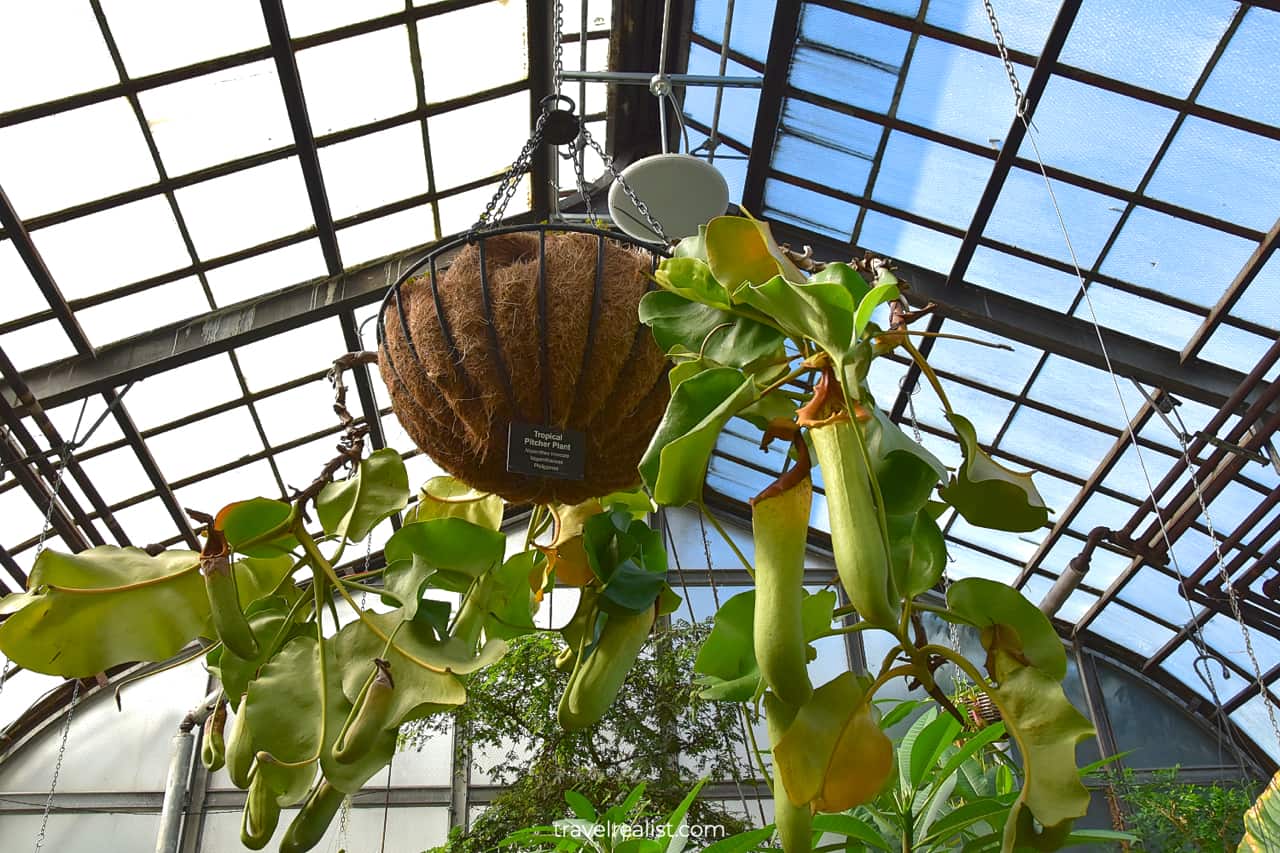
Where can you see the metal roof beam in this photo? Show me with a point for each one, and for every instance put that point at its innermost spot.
(1253, 266)
(1044, 68)
(777, 69)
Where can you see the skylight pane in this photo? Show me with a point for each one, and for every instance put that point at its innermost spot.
(1074, 129)
(459, 212)
(451, 64)
(299, 466)
(1025, 25)
(808, 209)
(1083, 390)
(1246, 78)
(1258, 303)
(142, 312)
(35, 345)
(1000, 368)
(1130, 630)
(298, 411)
(164, 397)
(213, 493)
(1138, 317)
(315, 16)
(291, 354)
(370, 171)
(156, 35)
(44, 167)
(738, 106)
(1177, 257)
(21, 295)
(1237, 349)
(1224, 634)
(752, 24)
(1156, 593)
(1077, 448)
(32, 72)
(599, 15)
(246, 208)
(867, 77)
(218, 117)
(959, 92)
(1255, 719)
(205, 444)
(387, 235)
(266, 273)
(912, 169)
(986, 412)
(478, 141)
(357, 80)
(1024, 216)
(1124, 40)
(147, 522)
(1022, 279)
(116, 246)
(1221, 171)
(118, 475)
(967, 562)
(818, 143)
(908, 242)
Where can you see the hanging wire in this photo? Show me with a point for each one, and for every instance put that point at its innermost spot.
(1020, 107)
(713, 141)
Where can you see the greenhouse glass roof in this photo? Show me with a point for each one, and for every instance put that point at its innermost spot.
(191, 207)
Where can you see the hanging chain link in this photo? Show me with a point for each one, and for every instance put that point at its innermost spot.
(57, 766)
(557, 64)
(643, 208)
(497, 206)
(1232, 599)
(1021, 99)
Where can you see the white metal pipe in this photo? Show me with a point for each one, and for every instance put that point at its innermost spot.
(641, 78)
(174, 807)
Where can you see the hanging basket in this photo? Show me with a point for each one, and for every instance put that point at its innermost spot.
(522, 368)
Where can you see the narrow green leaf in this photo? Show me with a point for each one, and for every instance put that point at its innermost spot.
(929, 746)
(580, 805)
(851, 827)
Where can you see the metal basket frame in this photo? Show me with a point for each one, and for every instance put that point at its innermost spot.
(431, 261)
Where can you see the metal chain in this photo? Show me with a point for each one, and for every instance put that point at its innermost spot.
(1232, 598)
(494, 210)
(1021, 104)
(578, 153)
(57, 767)
(557, 64)
(626, 188)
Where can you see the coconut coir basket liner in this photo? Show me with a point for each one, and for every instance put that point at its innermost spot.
(548, 336)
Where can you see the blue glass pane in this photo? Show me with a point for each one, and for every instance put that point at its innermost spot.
(907, 8)
(904, 241)
(807, 209)
(1079, 128)
(931, 180)
(1221, 171)
(1101, 510)
(1016, 546)
(1254, 719)
(1130, 630)
(1024, 25)
(850, 59)
(1022, 279)
(1138, 317)
(737, 107)
(1024, 216)
(1077, 448)
(825, 146)
(1237, 349)
(1258, 303)
(1177, 257)
(752, 24)
(1157, 593)
(1181, 663)
(1084, 391)
(999, 368)
(958, 92)
(1247, 77)
(987, 413)
(968, 563)
(1128, 40)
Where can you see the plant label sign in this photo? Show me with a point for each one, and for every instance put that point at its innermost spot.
(543, 451)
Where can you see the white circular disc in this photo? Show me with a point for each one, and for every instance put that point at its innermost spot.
(681, 192)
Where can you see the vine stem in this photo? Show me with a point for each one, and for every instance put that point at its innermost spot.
(954, 657)
(923, 364)
(755, 748)
(710, 516)
(317, 559)
(795, 374)
(948, 336)
(850, 629)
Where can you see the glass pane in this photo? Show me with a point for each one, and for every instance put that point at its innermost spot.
(1245, 79)
(387, 235)
(204, 444)
(908, 242)
(164, 397)
(959, 92)
(296, 412)
(33, 73)
(912, 169)
(752, 25)
(291, 354)
(865, 79)
(316, 16)
(1024, 26)
(42, 162)
(357, 80)
(143, 312)
(1165, 51)
(451, 67)
(32, 346)
(265, 273)
(371, 171)
(461, 155)
(246, 208)
(156, 35)
(1024, 216)
(218, 117)
(118, 246)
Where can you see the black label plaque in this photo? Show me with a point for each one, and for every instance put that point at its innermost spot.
(542, 451)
